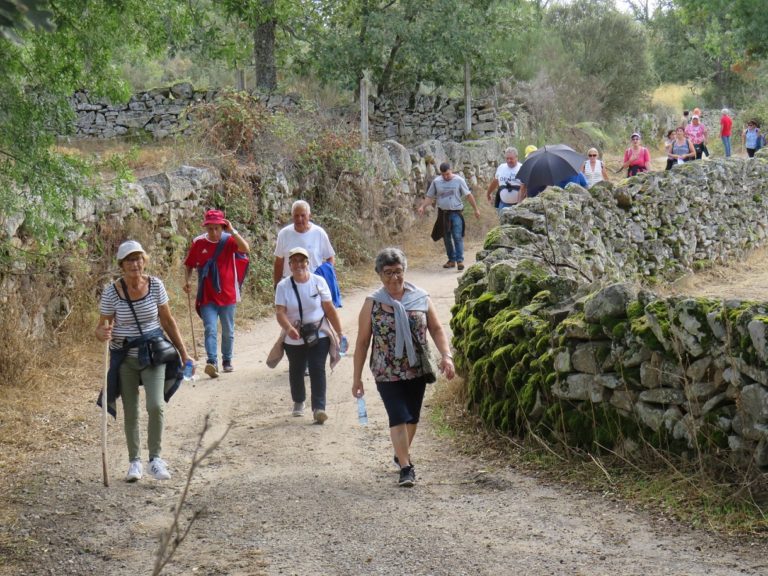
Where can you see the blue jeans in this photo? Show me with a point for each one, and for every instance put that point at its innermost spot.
(727, 145)
(211, 314)
(298, 358)
(454, 238)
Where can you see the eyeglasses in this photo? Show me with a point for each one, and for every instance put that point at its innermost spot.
(393, 273)
(592, 155)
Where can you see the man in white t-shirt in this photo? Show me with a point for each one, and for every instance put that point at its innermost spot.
(504, 189)
(301, 234)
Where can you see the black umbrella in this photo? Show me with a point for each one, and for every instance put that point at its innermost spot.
(549, 165)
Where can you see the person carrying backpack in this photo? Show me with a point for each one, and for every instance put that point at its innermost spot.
(220, 258)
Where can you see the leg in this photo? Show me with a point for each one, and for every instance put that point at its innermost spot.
(153, 378)
(316, 357)
(400, 442)
(130, 378)
(210, 316)
(448, 241)
(297, 360)
(726, 145)
(227, 317)
(457, 232)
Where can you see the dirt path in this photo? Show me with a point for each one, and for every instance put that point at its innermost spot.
(284, 497)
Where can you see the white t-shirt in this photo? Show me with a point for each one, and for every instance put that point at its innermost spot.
(315, 241)
(506, 175)
(313, 293)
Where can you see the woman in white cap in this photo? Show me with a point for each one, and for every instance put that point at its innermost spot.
(134, 311)
(305, 311)
(636, 157)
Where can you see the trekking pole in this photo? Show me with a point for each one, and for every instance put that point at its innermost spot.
(192, 326)
(105, 473)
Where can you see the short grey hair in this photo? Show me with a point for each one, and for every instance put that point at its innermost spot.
(725, 111)
(300, 204)
(390, 257)
(511, 150)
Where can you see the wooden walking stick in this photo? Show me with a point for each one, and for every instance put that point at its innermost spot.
(104, 412)
(192, 326)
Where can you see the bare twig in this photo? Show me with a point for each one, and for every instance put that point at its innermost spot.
(172, 538)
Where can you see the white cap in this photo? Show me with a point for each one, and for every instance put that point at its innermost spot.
(129, 247)
(298, 250)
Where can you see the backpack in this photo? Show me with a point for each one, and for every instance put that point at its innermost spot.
(760, 142)
(242, 263)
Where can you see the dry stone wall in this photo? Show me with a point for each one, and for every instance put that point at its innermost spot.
(556, 333)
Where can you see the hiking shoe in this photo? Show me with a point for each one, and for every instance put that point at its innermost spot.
(212, 370)
(460, 265)
(298, 409)
(135, 471)
(449, 264)
(407, 476)
(227, 366)
(320, 416)
(159, 469)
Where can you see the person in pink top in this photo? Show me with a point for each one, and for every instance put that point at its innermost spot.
(636, 157)
(697, 134)
(726, 124)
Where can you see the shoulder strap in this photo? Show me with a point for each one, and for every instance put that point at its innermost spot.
(130, 304)
(296, 291)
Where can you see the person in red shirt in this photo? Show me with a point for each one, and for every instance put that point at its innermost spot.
(218, 291)
(726, 123)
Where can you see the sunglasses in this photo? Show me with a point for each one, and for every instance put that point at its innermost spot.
(592, 155)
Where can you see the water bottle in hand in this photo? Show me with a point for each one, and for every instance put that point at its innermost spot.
(343, 346)
(189, 371)
(362, 413)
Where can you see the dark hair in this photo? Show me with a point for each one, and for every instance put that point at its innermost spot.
(671, 132)
(685, 112)
(390, 257)
(444, 167)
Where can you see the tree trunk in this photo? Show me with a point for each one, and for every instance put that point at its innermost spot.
(264, 55)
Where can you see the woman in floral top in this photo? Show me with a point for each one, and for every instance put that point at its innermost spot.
(396, 318)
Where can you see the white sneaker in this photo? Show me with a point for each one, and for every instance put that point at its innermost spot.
(159, 469)
(298, 409)
(135, 471)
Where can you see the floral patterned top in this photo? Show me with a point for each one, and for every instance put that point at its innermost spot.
(384, 365)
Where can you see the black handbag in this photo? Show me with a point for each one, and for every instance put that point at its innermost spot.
(310, 333)
(161, 350)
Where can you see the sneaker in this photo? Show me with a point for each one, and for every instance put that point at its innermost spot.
(159, 469)
(227, 366)
(396, 462)
(320, 416)
(407, 476)
(135, 471)
(298, 409)
(460, 265)
(449, 264)
(212, 370)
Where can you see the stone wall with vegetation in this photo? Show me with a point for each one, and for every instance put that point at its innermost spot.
(558, 336)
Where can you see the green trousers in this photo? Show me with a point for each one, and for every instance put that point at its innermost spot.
(153, 379)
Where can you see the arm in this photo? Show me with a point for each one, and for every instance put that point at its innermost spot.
(364, 333)
(281, 313)
(492, 187)
(277, 270)
(331, 260)
(441, 341)
(333, 316)
(104, 327)
(523, 192)
(427, 200)
(242, 245)
(471, 200)
(691, 150)
(169, 325)
(604, 171)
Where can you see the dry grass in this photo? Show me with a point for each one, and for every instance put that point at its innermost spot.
(671, 95)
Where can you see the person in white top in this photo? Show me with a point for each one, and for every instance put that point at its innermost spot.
(505, 185)
(301, 234)
(594, 168)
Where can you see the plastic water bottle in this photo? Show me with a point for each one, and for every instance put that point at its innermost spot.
(343, 345)
(189, 371)
(362, 413)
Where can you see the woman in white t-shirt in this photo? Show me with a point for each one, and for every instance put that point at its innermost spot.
(594, 168)
(304, 299)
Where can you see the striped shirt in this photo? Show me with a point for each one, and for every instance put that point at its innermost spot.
(124, 324)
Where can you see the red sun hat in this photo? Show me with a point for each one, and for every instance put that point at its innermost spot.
(214, 217)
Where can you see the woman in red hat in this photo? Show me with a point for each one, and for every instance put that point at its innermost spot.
(213, 255)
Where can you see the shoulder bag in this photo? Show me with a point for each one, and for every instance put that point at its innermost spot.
(310, 333)
(161, 350)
